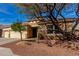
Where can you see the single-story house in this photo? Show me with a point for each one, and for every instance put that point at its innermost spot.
(34, 26)
(30, 32)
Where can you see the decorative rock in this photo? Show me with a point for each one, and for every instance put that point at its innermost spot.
(21, 43)
(29, 43)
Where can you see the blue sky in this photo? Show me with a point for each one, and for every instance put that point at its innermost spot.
(68, 11)
(8, 13)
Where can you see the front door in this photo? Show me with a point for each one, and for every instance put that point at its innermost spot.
(34, 32)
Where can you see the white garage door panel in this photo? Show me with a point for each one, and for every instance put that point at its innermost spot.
(6, 34)
(14, 34)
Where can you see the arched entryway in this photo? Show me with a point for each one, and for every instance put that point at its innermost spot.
(31, 31)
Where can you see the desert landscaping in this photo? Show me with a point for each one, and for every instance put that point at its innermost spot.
(39, 29)
(26, 48)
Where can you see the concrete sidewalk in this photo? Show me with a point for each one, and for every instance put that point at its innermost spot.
(4, 40)
(6, 52)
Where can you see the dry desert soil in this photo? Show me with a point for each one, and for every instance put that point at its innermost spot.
(25, 48)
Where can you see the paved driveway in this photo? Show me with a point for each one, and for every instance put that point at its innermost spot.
(5, 40)
(6, 51)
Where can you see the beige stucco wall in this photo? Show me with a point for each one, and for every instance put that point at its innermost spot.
(70, 26)
(33, 24)
(77, 28)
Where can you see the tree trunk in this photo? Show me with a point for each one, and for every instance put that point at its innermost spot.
(48, 41)
(9, 33)
(21, 35)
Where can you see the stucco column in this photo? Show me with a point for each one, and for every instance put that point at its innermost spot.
(3, 34)
(37, 40)
(9, 33)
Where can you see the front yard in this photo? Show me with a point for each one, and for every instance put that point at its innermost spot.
(25, 48)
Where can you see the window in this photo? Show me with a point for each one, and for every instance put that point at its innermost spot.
(52, 29)
(56, 30)
(49, 29)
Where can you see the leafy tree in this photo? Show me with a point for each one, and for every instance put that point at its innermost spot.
(18, 27)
